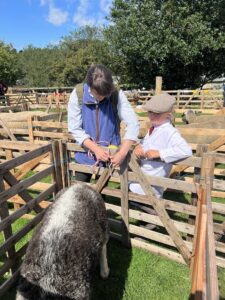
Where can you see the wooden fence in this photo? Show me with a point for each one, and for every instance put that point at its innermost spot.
(176, 236)
(185, 99)
(37, 100)
(15, 186)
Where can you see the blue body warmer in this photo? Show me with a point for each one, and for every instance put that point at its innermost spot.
(100, 122)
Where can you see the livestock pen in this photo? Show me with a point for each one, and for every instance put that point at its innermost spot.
(185, 232)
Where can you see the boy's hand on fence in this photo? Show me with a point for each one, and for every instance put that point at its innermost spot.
(151, 154)
(139, 152)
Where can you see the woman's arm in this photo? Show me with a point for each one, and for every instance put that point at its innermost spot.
(75, 119)
(128, 116)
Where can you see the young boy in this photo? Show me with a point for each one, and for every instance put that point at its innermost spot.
(162, 145)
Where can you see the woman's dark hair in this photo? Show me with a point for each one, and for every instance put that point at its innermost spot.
(100, 79)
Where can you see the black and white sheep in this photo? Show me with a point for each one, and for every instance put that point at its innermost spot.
(66, 247)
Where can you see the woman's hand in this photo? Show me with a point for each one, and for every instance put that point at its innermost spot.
(101, 154)
(118, 158)
(139, 152)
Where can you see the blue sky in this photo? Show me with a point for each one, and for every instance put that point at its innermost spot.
(43, 22)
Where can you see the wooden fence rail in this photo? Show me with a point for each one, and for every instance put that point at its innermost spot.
(12, 188)
(175, 236)
(202, 99)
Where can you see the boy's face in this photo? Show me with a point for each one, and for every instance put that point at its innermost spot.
(158, 119)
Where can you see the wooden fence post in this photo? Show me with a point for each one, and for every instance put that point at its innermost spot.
(194, 197)
(30, 129)
(158, 85)
(4, 213)
(211, 268)
(202, 99)
(124, 202)
(160, 209)
(58, 171)
(178, 99)
(64, 163)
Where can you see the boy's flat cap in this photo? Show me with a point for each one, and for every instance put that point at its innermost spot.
(160, 103)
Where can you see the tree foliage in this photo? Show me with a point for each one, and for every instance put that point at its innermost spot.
(40, 67)
(82, 48)
(67, 63)
(9, 70)
(181, 40)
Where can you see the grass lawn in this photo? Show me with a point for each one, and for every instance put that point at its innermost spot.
(137, 275)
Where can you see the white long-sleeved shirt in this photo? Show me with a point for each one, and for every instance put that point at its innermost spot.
(171, 146)
(125, 113)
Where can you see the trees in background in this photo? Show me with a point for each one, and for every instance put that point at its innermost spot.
(40, 67)
(181, 40)
(82, 48)
(9, 70)
(65, 64)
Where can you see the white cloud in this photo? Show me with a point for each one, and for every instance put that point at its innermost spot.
(105, 5)
(56, 16)
(86, 13)
(43, 2)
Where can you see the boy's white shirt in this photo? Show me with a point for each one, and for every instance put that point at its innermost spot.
(125, 113)
(171, 146)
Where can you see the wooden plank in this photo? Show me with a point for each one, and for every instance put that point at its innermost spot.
(56, 135)
(24, 158)
(30, 129)
(64, 163)
(26, 208)
(29, 166)
(171, 229)
(212, 278)
(155, 236)
(19, 187)
(201, 131)
(18, 145)
(13, 182)
(4, 213)
(153, 180)
(158, 250)
(168, 204)
(57, 165)
(102, 180)
(9, 283)
(21, 233)
(217, 143)
(58, 125)
(8, 263)
(9, 133)
(124, 202)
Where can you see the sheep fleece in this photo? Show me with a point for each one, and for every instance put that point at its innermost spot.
(66, 246)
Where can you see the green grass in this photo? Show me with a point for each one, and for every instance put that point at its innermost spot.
(138, 275)
(135, 273)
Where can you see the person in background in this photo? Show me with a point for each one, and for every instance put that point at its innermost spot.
(161, 146)
(95, 123)
(3, 88)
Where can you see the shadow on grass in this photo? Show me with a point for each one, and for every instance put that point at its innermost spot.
(113, 288)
